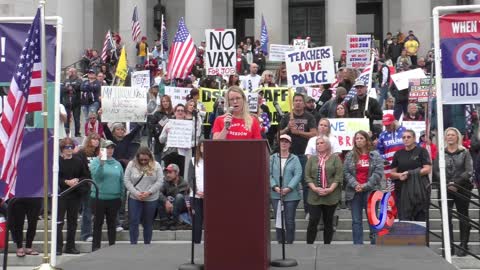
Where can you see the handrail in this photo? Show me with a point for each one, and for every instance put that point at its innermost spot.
(456, 214)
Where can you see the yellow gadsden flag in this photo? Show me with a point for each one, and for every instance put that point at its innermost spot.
(122, 70)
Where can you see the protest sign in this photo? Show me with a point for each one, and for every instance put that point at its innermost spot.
(300, 44)
(401, 79)
(358, 51)
(124, 104)
(277, 52)
(419, 89)
(252, 101)
(180, 133)
(310, 67)
(141, 79)
(220, 52)
(314, 92)
(177, 94)
(417, 126)
(344, 129)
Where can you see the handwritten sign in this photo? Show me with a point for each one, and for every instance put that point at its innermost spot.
(180, 134)
(277, 52)
(124, 104)
(141, 79)
(358, 51)
(300, 44)
(344, 129)
(419, 89)
(177, 94)
(314, 92)
(252, 99)
(310, 67)
(401, 79)
(220, 52)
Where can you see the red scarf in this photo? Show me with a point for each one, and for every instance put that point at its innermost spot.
(322, 159)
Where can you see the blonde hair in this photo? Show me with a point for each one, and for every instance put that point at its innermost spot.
(245, 113)
(329, 126)
(459, 137)
(264, 77)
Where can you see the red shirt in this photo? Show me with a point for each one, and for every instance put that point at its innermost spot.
(237, 129)
(362, 169)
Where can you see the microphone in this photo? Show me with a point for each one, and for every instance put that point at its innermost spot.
(278, 109)
(227, 124)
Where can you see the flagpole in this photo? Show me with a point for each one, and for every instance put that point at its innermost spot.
(372, 59)
(43, 57)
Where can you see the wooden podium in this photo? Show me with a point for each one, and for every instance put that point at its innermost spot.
(236, 206)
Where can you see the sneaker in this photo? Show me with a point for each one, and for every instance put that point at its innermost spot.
(119, 229)
(89, 239)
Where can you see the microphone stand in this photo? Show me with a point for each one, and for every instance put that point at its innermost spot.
(283, 262)
(192, 265)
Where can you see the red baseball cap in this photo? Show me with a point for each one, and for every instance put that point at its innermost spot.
(388, 119)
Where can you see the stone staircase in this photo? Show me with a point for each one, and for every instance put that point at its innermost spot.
(343, 236)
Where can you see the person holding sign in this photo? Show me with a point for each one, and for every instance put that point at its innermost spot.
(237, 123)
(357, 105)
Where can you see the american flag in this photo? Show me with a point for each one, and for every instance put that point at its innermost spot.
(164, 35)
(108, 46)
(264, 37)
(26, 80)
(365, 77)
(135, 25)
(182, 53)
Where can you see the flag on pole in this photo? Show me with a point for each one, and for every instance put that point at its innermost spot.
(135, 25)
(182, 53)
(108, 45)
(366, 77)
(122, 69)
(164, 36)
(264, 37)
(26, 81)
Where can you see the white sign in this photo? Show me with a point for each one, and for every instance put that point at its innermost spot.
(310, 67)
(180, 133)
(124, 104)
(345, 128)
(401, 79)
(460, 90)
(314, 92)
(277, 52)
(358, 51)
(220, 54)
(417, 126)
(177, 94)
(141, 79)
(300, 44)
(252, 99)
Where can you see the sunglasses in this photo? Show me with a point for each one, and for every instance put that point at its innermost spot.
(69, 147)
(406, 137)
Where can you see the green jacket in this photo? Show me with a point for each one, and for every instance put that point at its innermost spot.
(109, 178)
(334, 168)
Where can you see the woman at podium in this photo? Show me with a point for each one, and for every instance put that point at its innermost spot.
(237, 123)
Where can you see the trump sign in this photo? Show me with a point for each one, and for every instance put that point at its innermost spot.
(460, 45)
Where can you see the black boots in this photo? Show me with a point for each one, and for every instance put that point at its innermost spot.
(464, 237)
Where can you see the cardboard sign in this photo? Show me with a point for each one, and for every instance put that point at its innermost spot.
(300, 44)
(141, 79)
(345, 128)
(358, 51)
(419, 89)
(401, 79)
(314, 92)
(310, 67)
(220, 54)
(277, 52)
(124, 104)
(180, 134)
(177, 94)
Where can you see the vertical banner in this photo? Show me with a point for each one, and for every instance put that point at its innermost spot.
(220, 52)
(141, 79)
(460, 47)
(358, 51)
(310, 67)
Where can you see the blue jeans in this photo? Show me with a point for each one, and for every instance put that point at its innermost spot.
(358, 204)
(383, 95)
(179, 206)
(144, 212)
(86, 227)
(289, 208)
(303, 162)
(86, 109)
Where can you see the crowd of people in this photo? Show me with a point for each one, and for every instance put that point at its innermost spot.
(137, 184)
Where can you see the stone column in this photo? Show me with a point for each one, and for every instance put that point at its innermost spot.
(198, 17)
(125, 26)
(74, 34)
(222, 11)
(274, 12)
(341, 20)
(417, 16)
